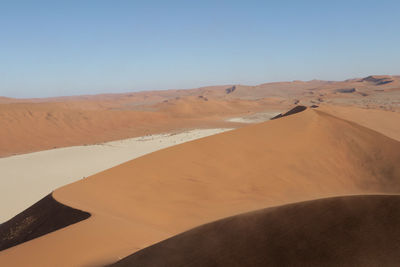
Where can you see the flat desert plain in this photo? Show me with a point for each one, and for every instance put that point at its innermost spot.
(318, 187)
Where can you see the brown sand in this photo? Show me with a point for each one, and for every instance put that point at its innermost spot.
(28, 127)
(387, 123)
(341, 231)
(37, 124)
(45, 216)
(304, 156)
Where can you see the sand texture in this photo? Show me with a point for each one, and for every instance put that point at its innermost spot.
(39, 173)
(308, 155)
(30, 125)
(341, 231)
(315, 188)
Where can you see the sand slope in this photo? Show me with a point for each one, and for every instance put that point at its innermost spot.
(30, 125)
(308, 155)
(45, 216)
(387, 123)
(36, 174)
(341, 231)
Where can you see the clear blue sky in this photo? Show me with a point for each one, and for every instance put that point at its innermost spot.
(51, 48)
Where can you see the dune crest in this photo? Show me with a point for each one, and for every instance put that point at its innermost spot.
(308, 155)
(340, 231)
(43, 217)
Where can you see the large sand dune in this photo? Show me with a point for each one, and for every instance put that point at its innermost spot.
(32, 176)
(387, 123)
(308, 155)
(45, 216)
(341, 231)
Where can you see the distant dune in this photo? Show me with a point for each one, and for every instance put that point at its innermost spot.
(30, 125)
(387, 123)
(341, 231)
(305, 156)
(294, 110)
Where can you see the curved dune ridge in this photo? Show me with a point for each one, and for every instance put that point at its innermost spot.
(294, 110)
(45, 216)
(340, 231)
(305, 156)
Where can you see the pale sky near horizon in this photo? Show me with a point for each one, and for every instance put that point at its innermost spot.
(54, 48)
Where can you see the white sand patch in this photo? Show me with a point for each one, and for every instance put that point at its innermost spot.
(27, 178)
(255, 118)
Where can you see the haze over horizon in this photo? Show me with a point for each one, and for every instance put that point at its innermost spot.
(74, 48)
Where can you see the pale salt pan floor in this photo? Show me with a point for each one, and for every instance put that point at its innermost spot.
(255, 118)
(27, 178)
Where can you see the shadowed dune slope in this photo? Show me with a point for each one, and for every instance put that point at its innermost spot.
(340, 231)
(294, 110)
(305, 156)
(46, 216)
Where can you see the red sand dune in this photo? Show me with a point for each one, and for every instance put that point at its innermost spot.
(28, 127)
(341, 231)
(305, 156)
(387, 123)
(45, 216)
(36, 124)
